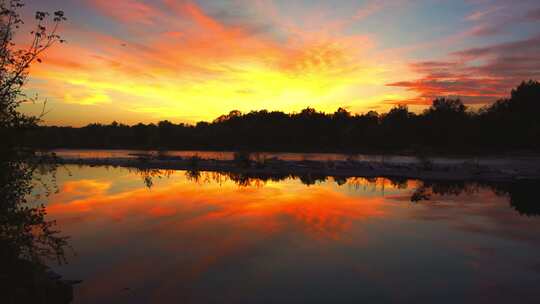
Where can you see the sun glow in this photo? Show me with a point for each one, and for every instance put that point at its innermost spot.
(192, 66)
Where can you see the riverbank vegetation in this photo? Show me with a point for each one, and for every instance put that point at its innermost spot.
(29, 241)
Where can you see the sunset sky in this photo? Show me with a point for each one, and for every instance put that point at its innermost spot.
(185, 61)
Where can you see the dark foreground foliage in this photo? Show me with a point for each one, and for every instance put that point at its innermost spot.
(447, 126)
(28, 241)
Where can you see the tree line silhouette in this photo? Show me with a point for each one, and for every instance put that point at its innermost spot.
(448, 125)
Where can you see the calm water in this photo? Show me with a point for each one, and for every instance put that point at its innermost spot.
(196, 237)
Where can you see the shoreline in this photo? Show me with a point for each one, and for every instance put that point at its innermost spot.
(425, 169)
(482, 154)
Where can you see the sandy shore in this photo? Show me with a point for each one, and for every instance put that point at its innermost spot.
(426, 169)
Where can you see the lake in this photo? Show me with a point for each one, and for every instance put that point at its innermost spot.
(203, 237)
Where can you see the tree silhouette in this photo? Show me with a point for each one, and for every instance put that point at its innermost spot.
(15, 63)
(447, 126)
(27, 239)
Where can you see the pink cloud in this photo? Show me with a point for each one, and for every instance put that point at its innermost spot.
(132, 11)
(478, 75)
(534, 15)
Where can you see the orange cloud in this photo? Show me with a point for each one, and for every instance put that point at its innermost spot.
(192, 66)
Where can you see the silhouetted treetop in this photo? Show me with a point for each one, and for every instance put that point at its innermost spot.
(447, 125)
(447, 105)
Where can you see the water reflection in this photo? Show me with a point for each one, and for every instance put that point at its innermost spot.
(206, 237)
(28, 240)
(260, 179)
(521, 194)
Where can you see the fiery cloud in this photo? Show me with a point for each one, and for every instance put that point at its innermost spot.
(187, 61)
(177, 61)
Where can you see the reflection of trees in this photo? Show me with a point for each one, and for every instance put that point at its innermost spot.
(312, 179)
(27, 239)
(243, 179)
(399, 182)
(521, 194)
(193, 175)
(445, 188)
(239, 178)
(25, 227)
(148, 175)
